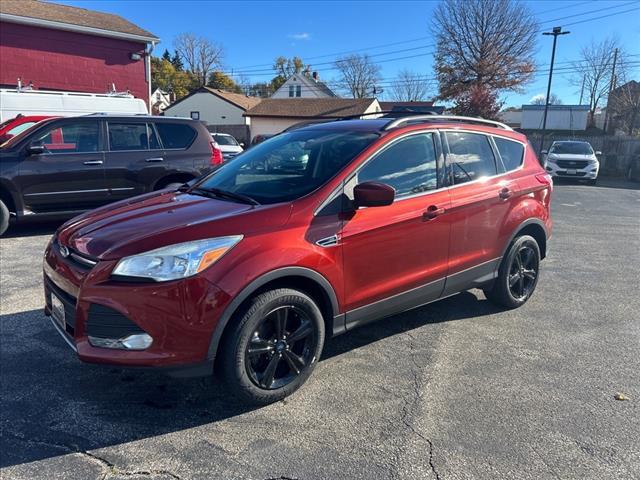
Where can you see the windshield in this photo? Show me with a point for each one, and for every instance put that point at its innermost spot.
(572, 148)
(288, 166)
(225, 140)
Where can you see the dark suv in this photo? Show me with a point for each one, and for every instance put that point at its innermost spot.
(63, 166)
(307, 235)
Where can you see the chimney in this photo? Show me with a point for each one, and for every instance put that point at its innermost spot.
(315, 76)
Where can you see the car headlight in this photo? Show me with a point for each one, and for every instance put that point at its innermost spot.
(176, 261)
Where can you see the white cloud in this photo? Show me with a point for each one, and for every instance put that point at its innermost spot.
(300, 36)
(541, 97)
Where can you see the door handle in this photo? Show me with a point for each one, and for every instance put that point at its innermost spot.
(432, 212)
(155, 159)
(505, 193)
(94, 162)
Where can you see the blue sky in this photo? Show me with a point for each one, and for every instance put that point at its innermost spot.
(254, 33)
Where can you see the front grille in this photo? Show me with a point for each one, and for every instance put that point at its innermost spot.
(105, 322)
(577, 164)
(577, 174)
(69, 302)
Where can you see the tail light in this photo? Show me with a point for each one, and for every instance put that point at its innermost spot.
(216, 154)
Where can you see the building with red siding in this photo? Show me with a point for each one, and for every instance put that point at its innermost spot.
(58, 47)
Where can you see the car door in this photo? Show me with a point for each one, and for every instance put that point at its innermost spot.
(67, 173)
(395, 257)
(135, 160)
(481, 197)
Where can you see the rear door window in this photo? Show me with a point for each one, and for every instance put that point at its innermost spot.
(470, 157)
(131, 136)
(176, 135)
(511, 152)
(72, 137)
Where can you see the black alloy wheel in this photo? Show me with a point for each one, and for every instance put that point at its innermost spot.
(281, 347)
(523, 273)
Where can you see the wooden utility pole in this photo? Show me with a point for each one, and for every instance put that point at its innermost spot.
(584, 77)
(612, 86)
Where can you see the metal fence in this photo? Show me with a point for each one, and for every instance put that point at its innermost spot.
(620, 154)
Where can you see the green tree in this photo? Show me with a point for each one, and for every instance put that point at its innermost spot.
(177, 62)
(284, 68)
(222, 81)
(166, 55)
(165, 77)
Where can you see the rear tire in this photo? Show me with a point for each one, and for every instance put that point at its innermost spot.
(273, 346)
(518, 274)
(4, 218)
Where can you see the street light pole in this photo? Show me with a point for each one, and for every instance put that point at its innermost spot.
(555, 32)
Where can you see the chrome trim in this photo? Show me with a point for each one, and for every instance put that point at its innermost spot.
(66, 192)
(85, 261)
(331, 241)
(93, 162)
(63, 334)
(435, 118)
(154, 159)
(120, 189)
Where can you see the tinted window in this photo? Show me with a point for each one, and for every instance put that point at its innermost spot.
(80, 137)
(470, 156)
(510, 152)
(572, 148)
(175, 135)
(409, 166)
(289, 165)
(128, 136)
(20, 128)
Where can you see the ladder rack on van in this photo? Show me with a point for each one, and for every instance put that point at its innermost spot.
(66, 94)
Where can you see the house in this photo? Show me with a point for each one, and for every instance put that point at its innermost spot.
(559, 117)
(214, 107)
(624, 108)
(511, 117)
(273, 115)
(301, 85)
(160, 100)
(59, 47)
(411, 107)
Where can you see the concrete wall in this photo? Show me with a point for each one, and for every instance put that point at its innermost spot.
(271, 126)
(213, 110)
(73, 62)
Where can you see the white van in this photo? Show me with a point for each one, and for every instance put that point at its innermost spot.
(66, 104)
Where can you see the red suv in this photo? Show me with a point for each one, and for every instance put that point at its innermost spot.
(309, 234)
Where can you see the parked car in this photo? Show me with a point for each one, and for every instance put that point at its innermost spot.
(63, 166)
(573, 159)
(229, 146)
(251, 271)
(18, 124)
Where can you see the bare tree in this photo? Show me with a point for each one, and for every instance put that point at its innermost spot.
(358, 75)
(410, 87)
(541, 99)
(595, 69)
(483, 43)
(200, 55)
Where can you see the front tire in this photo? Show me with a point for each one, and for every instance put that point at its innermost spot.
(518, 274)
(274, 346)
(4, 218)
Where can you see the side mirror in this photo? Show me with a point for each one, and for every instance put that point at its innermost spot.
(544, 151)
(373, 194)
(242, 144)
(598, 152)
(36, 150)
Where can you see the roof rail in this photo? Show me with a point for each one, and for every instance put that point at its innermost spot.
(395, 123)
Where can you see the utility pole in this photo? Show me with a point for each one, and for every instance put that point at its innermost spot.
(584, 77)
(555, 32)
(612, 85)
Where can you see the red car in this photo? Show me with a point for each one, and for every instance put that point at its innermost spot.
(309, 234)
(10, 128)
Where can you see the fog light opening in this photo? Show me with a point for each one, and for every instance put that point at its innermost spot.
(139, 341)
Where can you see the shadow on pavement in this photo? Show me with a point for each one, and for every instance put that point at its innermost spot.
(32, 229)
(52, 404)
(606, 182)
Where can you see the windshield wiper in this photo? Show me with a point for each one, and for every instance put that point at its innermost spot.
(225, 194)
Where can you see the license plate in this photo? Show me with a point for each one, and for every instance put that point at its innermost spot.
(57, 311)
(572, 172)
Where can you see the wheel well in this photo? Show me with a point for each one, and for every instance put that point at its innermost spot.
(303, 284)
(537, 232)
(176, 177)
(7, 199)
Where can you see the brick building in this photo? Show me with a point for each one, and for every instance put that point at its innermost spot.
(58, 47)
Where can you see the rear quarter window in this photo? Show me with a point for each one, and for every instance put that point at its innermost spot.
(511, 152)
(176, 135)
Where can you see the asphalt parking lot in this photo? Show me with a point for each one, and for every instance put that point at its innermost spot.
(455, 390)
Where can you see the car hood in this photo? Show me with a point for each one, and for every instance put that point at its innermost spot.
(230, 148)
(570, 156)
(159, 219)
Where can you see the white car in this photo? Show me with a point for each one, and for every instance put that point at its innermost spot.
(573, 159)
(228, 144)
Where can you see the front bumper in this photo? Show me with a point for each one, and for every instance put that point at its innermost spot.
(590, 172)
(180, 315)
